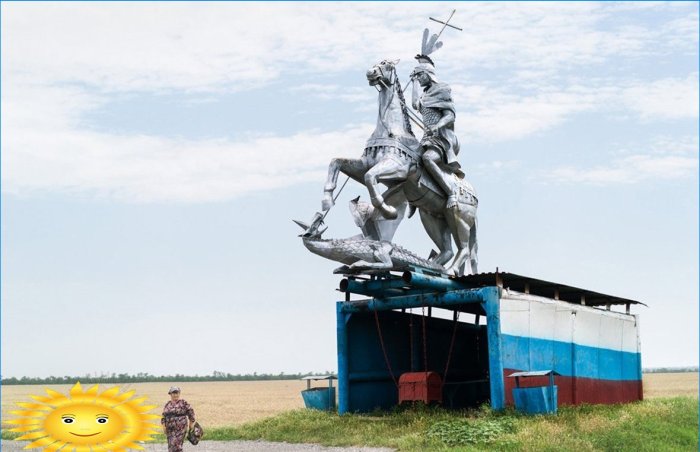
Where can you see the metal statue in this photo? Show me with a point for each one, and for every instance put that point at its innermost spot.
(390, 150)
(424, 174)
(440, 145)
(359, 253)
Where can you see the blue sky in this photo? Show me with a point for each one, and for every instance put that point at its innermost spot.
(154, 154)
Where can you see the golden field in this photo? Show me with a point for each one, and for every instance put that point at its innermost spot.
(670, 384)
(219, 404)
(215, 404)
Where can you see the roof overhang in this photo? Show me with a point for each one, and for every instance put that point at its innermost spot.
(547, 289)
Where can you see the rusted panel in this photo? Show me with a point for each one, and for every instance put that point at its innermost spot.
(423, 387)
(574, 391)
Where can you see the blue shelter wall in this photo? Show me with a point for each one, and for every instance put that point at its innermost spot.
(371, 385)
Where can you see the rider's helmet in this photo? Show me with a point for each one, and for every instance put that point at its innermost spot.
(425, 64)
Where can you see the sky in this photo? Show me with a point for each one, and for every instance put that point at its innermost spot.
(154, 155)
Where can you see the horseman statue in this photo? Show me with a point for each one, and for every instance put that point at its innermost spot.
(440, 145)
(402, 172)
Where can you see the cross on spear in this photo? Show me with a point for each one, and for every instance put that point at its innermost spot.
(412, 116)
(446, 23)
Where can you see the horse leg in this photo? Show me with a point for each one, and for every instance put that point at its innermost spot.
(473, 248)
(388, 169)
(355, 168)
(461, 220)
(373, 224)
(396, 198)
(439, 233)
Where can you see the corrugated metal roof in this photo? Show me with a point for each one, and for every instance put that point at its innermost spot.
(543, 288)
(320, 377)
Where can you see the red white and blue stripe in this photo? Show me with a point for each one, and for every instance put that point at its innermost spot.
(597, 352)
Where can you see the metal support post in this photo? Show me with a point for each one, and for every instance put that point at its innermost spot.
(491, 305)
(343, 376)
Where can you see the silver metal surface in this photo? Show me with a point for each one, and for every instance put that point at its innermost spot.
(423, 173)
(359, 253)
(446, 23)
(390, 150)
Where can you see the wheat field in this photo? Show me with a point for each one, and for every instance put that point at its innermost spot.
(219, 404)
(670, 384)
(216, 404)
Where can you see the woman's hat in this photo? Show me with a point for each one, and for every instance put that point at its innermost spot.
(173, 389)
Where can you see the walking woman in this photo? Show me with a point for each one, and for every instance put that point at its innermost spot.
(176, 413)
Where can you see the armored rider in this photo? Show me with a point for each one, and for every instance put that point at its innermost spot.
(439, 144)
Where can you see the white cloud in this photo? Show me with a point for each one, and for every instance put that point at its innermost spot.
(666, 99)
(675, 145)
(497, 113)
(667, 159)
(337, 92)
(46, 149)
(190, 46)
(213, 46)
(494, 114)
(146, 169)
(51, 51)
(629, 170)
(554, 38)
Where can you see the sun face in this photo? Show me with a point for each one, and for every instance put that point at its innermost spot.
(83, 424)
(85, 421)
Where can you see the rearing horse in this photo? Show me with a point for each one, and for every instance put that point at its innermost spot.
(390, 150)
(392, 157)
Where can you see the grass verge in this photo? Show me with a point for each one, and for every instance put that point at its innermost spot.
(669, 424)
(660, 424)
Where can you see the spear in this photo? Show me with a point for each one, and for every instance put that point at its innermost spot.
(446, 23)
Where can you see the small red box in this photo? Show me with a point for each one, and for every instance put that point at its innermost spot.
(420, 386)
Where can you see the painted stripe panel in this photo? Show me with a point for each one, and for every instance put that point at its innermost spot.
(571, 390)
(527, 353)
(529, 316)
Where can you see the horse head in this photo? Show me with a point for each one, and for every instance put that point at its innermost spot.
(382, 73)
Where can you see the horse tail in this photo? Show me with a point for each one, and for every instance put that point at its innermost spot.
(473, 247)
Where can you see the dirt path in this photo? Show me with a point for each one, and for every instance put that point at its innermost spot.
(229, 446)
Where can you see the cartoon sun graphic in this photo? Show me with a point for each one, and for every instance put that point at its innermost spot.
(85, 421)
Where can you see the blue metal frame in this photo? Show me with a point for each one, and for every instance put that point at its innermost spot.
(491, 305)
(343, 374)
(435, 300)
(488, 297)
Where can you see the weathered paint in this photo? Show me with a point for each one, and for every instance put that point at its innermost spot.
(424, 281)
(423, 387)
(596, 352)
(342, 345)
(364, 381)
(569, 359)
(573, 390)
(535, 400)
(379, 287)
(491, 305)
(436, 300)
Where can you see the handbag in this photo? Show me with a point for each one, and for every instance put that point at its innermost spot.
(195, 433)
